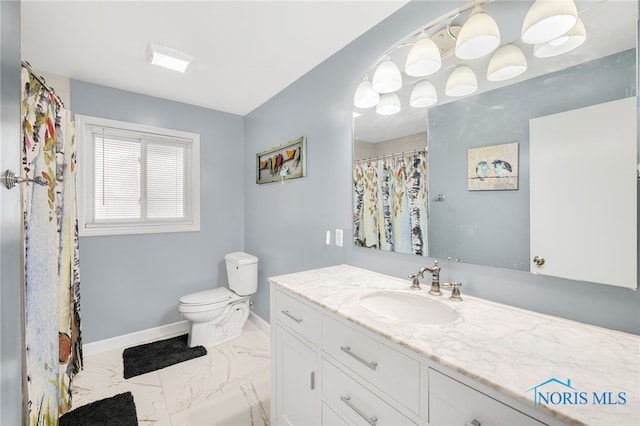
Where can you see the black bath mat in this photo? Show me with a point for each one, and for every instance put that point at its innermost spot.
(156, 355)
(119, 410)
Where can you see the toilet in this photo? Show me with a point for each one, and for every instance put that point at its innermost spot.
(218, 315)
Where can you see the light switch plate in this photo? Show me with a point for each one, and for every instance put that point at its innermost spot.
(338, 238)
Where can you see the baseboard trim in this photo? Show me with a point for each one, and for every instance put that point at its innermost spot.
(260, 323)
(155, 333)
(135, 338)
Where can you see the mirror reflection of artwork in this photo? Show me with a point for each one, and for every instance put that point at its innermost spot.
(492, 168)
(390, 203)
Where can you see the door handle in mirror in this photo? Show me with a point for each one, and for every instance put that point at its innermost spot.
(538, 260)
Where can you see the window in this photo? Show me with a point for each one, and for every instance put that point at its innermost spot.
(136, 179)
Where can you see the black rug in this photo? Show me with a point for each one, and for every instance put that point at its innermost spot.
(119, 410)
(156, 355)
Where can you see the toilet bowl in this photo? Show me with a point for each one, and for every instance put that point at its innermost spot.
(218, 315)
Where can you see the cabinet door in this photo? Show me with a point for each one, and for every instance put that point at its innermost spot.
(297, 390)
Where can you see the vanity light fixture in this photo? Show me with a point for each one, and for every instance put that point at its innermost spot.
(365, 96)
(389, 104)
(563, 44)
(423, 95)
(478, 37)
(423, 58)
(168, 57)
(461, 82)
(508, 62)
(547, 20)
(387, 77)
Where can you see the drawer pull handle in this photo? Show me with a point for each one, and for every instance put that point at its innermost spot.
(313, 381)
(371, 420)
(347, 349)
(473, 422)
(298, 320)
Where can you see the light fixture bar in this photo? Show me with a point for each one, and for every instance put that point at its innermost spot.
(168, 57)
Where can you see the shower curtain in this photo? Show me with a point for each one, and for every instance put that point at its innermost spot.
(390, 203)
(53, 347)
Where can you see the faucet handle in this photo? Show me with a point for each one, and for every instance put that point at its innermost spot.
(455, 290)
(415, 281)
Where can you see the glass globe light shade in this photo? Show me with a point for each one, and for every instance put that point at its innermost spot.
(478, 37)
(563, 44)
(365, 96)
(423, 58)
(386, 78)
(423, 95)
(461, 82)
(506, 63)
(548, 19)
(389, 104)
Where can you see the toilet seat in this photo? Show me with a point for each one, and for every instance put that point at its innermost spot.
(208, 300)
(220, 295)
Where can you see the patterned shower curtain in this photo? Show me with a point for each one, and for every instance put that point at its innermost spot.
(390, 203)
(53, 347)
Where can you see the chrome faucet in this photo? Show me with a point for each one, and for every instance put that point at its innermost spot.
(455, 291)
(415, 282)
(435, 277)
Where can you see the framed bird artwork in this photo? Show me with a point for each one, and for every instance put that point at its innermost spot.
(283, 162)
(493, 168)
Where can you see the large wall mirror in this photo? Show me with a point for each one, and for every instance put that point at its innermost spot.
(484, 138)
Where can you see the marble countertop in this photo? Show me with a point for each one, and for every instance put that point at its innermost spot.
(510, 349)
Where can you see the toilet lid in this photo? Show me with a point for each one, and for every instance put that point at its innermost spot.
(207, 297)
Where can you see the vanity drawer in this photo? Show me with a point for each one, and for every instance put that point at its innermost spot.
(393, 372)
(355, 402)
(452, 402)
(331, 418)
(298, 316)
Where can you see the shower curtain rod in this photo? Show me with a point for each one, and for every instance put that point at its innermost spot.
(415, 151)
(41, 80)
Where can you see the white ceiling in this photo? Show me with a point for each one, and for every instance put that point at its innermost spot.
(245, 51)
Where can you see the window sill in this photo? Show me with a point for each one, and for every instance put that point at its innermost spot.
(97, 231)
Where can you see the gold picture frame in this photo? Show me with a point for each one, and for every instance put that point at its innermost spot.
(283, 162)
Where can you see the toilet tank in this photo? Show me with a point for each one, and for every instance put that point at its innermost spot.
(242, 270)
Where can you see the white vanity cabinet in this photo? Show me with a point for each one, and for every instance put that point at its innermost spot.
(366, 380)
(382, 366)
(331, 371)
(322, 376)
(295, 362)
(481, 368)
(357, 401)
(454, 403)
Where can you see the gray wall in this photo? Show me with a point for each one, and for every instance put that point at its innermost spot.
(133, 282)
(468, 224)
(409, 143)
(285, 224)
(10, 221)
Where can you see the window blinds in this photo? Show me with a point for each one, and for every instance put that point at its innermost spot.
(139, 177)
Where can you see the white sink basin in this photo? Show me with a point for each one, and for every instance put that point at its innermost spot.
(408, 307)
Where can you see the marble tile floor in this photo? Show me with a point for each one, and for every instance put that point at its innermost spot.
(228, 386)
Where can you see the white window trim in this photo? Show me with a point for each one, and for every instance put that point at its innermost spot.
(85, 229)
